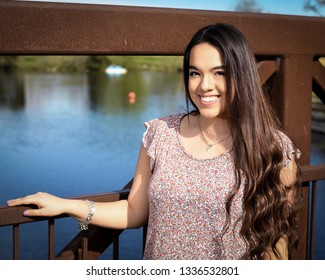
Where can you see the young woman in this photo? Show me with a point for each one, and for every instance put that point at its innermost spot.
(218, 182)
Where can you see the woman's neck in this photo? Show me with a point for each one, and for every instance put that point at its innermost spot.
(213, 127)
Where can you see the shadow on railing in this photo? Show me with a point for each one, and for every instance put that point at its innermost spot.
(92, 243)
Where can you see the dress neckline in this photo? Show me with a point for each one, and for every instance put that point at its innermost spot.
(180, 117)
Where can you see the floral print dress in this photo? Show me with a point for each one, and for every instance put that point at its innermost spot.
(187, 198)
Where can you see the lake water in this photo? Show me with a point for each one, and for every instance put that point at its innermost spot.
(80, 134)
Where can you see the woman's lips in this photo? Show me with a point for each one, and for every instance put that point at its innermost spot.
(208, 100)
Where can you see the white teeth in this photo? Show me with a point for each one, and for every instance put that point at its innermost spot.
(209, 98)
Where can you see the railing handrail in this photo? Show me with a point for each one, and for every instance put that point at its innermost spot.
(313, 172)
(146, 31)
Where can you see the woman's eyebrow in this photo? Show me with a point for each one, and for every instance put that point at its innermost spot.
(212, 69)
(219, 67)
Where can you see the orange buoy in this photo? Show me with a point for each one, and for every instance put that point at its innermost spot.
(132, 97)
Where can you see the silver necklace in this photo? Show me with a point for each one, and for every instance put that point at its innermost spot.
(209, 146)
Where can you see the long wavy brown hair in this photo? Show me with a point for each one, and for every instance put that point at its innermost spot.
(269, 204)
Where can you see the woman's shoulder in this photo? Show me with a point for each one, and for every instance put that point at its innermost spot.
(172, 118)
(283, 138)
(157, 131)
(288, 146)
(168, 121)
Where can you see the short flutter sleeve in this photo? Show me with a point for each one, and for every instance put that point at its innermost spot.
(288, 148)
(150, 140)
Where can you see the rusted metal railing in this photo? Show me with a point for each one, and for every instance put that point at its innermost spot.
(288, 49)
(86, 245)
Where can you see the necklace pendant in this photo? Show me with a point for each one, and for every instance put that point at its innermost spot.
(209, 146)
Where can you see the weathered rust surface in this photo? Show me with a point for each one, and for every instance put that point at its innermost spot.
(58, 28)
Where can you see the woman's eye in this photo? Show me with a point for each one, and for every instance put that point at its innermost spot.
(193, 73)
(220, 73)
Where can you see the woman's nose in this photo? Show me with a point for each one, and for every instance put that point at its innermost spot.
(207, 83)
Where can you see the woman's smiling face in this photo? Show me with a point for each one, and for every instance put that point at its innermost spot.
(207, 82)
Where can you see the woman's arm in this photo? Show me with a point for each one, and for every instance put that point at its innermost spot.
(130, 213)
(281, 248)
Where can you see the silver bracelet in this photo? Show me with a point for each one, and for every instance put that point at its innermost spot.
(84, 224)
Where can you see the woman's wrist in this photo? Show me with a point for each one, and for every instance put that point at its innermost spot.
(77, 208)
(83, 225)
